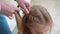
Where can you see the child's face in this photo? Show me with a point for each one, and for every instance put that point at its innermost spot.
(37, 28)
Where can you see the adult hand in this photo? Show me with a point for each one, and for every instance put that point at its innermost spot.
(7, 8)
(25, 4)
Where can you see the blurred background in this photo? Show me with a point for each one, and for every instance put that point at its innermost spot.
(53, 7)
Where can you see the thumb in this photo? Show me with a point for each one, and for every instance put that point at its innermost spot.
(11, 17)
(26, 10)
(17, 8)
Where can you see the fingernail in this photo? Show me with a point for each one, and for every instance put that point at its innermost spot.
(11, 17)
(27, 12)
(18, 9)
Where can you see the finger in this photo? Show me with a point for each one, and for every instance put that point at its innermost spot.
(13, 7)
(25, 9)
(22, 5)
(11, 17)
(27, 6)
(6, 13)
(5, 9)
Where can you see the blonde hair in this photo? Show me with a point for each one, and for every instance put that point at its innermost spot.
(37, 18)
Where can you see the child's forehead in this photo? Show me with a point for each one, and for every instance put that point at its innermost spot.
(38, 27)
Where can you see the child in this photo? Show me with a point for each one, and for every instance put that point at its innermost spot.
(38, 21)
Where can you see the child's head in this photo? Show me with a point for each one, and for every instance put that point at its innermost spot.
(38, 21)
